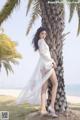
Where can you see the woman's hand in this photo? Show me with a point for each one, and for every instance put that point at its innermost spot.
(54, 65)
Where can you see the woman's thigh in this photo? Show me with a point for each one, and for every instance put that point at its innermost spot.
(53, 78)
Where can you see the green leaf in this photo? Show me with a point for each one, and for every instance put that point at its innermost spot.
(72, 8)
(72, 1)
(7, 9)
(78, 12)
(35, 14)
(28, 6)
(7, 67)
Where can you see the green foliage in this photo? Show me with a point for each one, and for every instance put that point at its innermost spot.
(29, 5)
(7, 9)
(8, 53)
(72, 0)
(63, 1)
(78, 12)
(72, 7)
(35, 12)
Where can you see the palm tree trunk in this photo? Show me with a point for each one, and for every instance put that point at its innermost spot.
(53, 19)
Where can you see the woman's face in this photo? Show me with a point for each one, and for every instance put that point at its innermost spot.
(43, 34)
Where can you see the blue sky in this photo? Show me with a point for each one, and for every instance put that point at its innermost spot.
(15, 27)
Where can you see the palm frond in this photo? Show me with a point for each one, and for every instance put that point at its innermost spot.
(35, 13)
(14, 61)
(72, 1)
(7, 9)
(7, 67)
(65, 34)
(28, 6)
(72, 8)
(78, 12)
(17, 55)
(8, 53)
(6, 62)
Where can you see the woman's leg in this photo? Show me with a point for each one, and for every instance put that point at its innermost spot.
(54, 81)
(43, 96)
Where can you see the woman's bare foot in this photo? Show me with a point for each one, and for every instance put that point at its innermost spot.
(43, 112)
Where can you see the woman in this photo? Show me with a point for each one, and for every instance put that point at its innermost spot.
(35, 91)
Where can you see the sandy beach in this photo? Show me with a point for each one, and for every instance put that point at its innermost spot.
(16, 92)
(26, 112)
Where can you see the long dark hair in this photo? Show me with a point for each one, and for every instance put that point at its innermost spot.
(36, 37)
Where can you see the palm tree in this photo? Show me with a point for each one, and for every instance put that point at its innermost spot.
(53, 19)
(8, 53)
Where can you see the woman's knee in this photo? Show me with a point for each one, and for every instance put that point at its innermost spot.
(55, 83)
(44, 88)
(54, 80)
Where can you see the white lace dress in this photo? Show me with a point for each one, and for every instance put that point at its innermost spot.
(32, 91)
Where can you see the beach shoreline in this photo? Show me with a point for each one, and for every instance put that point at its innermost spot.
(15, 93)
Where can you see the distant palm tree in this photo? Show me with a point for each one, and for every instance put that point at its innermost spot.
(53, 19)
(8, 53)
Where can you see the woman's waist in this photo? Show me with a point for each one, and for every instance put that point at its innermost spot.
(46, 65)
(44, 61)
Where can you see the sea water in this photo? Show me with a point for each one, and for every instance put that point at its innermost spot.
(73, 89)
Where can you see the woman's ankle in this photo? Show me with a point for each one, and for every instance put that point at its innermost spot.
(52, 107)
(43, 108)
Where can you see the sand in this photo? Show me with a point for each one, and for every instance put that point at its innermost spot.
(27, 112)
(15, 92)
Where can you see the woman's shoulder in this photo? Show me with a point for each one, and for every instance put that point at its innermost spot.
(42, 44)
(40, 41)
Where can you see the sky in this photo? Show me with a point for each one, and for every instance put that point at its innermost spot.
(15, 27)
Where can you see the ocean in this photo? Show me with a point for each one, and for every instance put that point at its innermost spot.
(73, 90)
